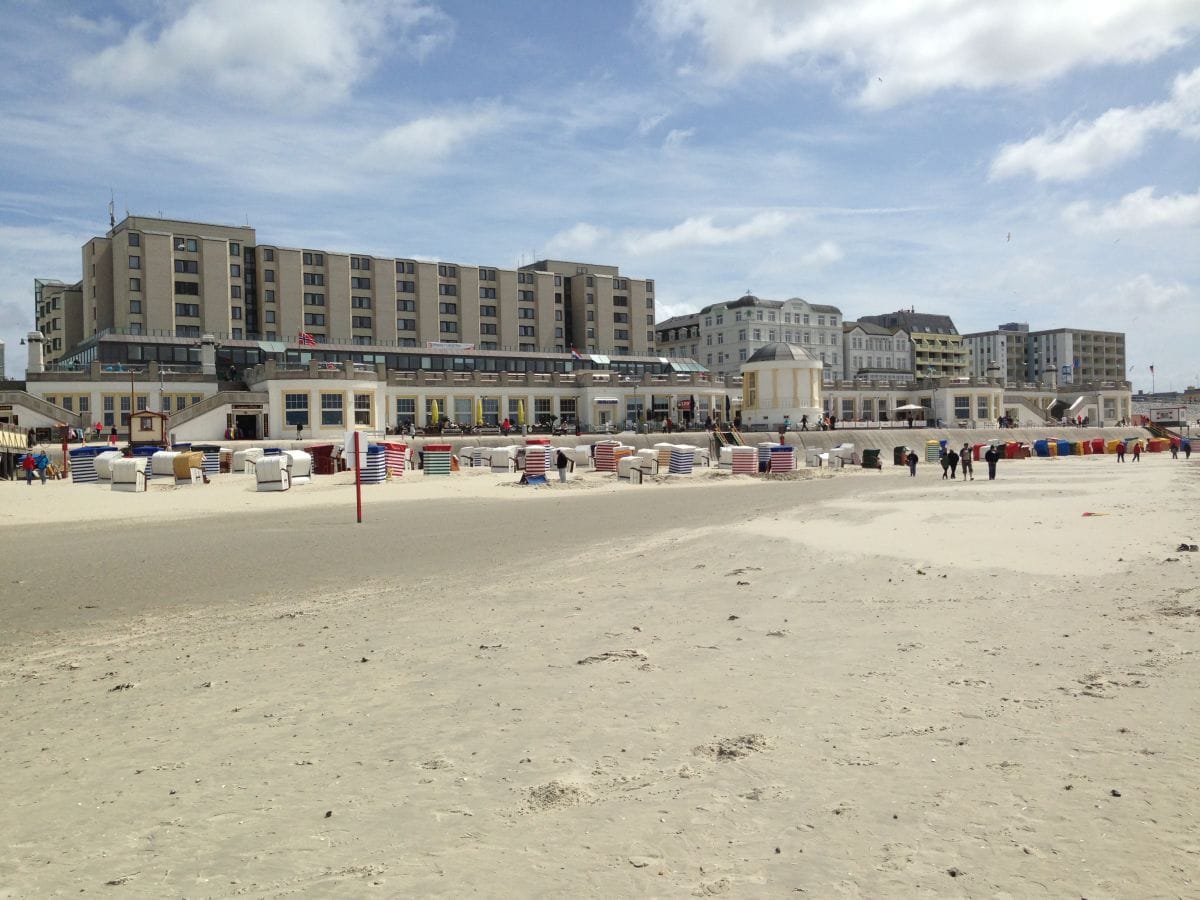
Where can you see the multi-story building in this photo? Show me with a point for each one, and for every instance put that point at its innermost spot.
(58, 315)
(167, 277)
(937, 347)
(1064, 355)
(728, 333)
(875, 352)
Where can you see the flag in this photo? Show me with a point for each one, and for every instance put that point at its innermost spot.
(575, 354)
(1152, 370)
(304, 339)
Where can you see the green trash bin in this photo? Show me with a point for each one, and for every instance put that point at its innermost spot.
(870, 458)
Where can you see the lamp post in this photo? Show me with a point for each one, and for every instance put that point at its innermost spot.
(132, 404)
(932, 395)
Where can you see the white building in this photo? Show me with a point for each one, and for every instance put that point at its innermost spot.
(876, 352)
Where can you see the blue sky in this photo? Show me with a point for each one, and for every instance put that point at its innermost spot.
(1025, 161)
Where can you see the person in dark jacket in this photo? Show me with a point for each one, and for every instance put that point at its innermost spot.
(953, 456)
(562, 461)
(912, 459)
(992, 457)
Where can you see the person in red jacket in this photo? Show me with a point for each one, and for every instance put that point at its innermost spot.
(28, 464)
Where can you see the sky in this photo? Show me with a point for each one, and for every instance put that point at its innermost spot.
(1020, 161)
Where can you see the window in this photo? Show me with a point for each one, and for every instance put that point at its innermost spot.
(362, 409)
(362, 263)
(135, 262)
(360, 283)
(448, 271)
(269, 317)
(448, 327)
(406, 306)
(741, 335)
(448, 290)
(360, 321)
(236, 334)
(982, 408)
(332, 406)
(526, 348)
(525, 330)
(525, 278)
(448, 308)
(134, 328)
(360, 302)
(621, 318)
(406, 324)
(269, 256)
(271, 336)
(525, 295)
(406, 408)
(962, 407)
(135, 284)
(524, 312)
(235, 312)
(591, 298)
(313, 259)
(295, 409)
(269, 296)
(403, 267)
(361, 339)
(487, 274)
(488, 293)
(314, 299)
(620, 301)
(487, 311)
(135, 239)
(187, 266)
(757, 334)
(189, 331)
(135, 306)
(235, 291)
(269, 276)
(314, 278)
(235, 271)
(406, 287)
(488, 328)
(314, 318)
(191, 310)
(620, 334)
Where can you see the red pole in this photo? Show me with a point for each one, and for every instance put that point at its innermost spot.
(66, 454)
(357, 478)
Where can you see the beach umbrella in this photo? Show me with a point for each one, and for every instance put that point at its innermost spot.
(478, 412)
(520, 412)
(433, 415)
(909, 407)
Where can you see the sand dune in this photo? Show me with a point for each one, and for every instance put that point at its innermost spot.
(857, 685)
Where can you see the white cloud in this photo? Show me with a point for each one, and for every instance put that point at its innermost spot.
(896, 51)
(1143, 293)
(700, 231)
(580, 238)
(648, 123)
(1137, 210)
(1075, 152)
(677, 137)
(430, 139)
(301, 51)
(824, 253)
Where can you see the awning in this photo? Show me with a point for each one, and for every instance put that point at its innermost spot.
(686, 365)
(610, 401)
(599, 359)
(272, 346)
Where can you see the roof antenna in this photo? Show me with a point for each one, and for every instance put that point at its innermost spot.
(112, 220)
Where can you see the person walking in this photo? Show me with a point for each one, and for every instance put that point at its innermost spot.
(991, 458)
(1137, 451)
(912, 459)
(28, 464)
(42, 461)
(945, 461)
(1186, 447)
(1120, 451)
(953, 455)
(1174, 448)
(112, 435)
(804, 422)
(832, 422)
(964, 457)
(562, 461)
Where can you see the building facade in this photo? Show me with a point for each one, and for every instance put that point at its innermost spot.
(725, 335)
(1060, 355)
(937, 347)
(58, 314)
(151, 276)
(875, 352)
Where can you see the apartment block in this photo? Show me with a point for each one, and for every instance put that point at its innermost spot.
(153, 276)
(875, 352)
(1068, 355)
(726, 334)
(937, 347)
(58, 315)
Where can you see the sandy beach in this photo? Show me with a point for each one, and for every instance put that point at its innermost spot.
(842, 684)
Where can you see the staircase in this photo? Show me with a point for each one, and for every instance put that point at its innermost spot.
(38, 405)
(217, 400)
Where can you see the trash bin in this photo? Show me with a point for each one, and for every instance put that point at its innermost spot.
(870, 458)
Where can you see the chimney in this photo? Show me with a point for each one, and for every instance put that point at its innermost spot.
(36, 362)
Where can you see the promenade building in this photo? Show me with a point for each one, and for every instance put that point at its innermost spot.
(724, 335)
(875, 352)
